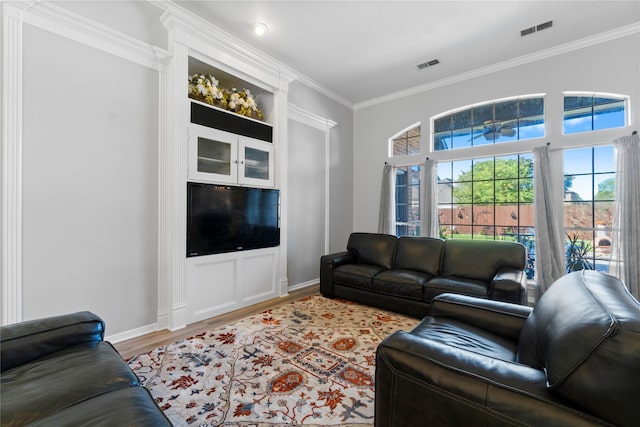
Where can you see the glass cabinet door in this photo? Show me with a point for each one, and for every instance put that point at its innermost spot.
(256, 162)
(213, 155)
(222, 157)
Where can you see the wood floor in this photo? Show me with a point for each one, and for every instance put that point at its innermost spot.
(157, 339)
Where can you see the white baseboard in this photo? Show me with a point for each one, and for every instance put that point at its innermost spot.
(304, 284)
(162, 320)
(132, 333)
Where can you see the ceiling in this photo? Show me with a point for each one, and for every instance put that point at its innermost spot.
(363, 50)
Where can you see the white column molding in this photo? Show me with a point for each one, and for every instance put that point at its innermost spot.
(280, 127)
(174, 178)
(12, 21)
(300, 115)
(163, 138)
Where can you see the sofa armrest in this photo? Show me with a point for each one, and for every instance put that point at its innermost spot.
(502, 318)
(327, 264)
(424, 382)
(30, 340)
(510, 285)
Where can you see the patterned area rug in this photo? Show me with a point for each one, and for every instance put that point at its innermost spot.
(308, 362)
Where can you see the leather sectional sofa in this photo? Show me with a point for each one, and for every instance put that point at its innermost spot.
(58, 371)
(573, 360)
(405, 274)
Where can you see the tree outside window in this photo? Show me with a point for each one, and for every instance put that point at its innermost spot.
(488, 198)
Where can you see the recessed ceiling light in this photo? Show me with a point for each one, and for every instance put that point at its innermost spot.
(260, 28)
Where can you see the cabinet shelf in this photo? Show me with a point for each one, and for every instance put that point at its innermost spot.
(210, 160)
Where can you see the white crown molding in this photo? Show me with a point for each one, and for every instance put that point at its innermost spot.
(175, 15)
(63, 22)
(303, 116)
(515, 62)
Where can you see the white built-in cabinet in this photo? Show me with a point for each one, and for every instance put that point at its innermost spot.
(228, 149)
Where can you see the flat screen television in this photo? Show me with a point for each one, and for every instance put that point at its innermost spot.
(228, 218)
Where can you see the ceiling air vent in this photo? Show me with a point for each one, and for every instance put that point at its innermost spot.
(536, 28)
(544, 26)
(527, 31)
(427, 64)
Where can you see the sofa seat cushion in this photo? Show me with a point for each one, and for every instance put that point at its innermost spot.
(456, 285)
(402, 283)
(132, 406)
(466, 337)
(49, 384)
(356, 275)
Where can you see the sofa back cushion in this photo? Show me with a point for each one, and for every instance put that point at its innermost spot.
(585, 332)
(419, 254)
(481, 259)
(373, 248)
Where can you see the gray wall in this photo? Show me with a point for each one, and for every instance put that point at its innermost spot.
(341, 159)
(90, 183)
(306, 208)
(612, 66)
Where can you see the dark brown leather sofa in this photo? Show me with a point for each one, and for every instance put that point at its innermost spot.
(58, 371)
(573, 360)
(404, 274)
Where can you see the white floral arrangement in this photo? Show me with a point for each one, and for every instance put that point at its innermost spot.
(206, 88)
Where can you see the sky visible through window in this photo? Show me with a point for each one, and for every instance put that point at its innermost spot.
(490, 123)
(587, 113)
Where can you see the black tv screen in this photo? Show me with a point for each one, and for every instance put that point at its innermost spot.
(228, 218)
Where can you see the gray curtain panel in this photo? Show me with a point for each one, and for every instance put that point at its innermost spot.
(625, 251)
(549, 231)
(429, 203)
(386, 217)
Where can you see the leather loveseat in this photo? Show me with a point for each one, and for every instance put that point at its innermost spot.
(573, 360)
(404, 274)
(58, 371)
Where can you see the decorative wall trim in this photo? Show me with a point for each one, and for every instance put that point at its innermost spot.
(310, 119)
(163, 138)
(174, 178)
(57, 20)
(303, 116)
(76, 27)
(515, 62)
(11, 164)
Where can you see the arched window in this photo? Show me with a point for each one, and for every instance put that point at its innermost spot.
(492, 197)
(584, 112)
(406, 143)
(491, 122)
